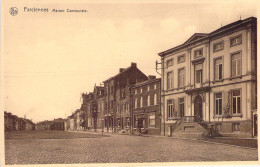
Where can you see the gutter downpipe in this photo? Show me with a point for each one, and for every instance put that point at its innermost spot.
(162, 95)
(209, 78)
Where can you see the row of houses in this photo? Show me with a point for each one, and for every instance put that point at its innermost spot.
(211, 79)
(56, 124)
(15, 123)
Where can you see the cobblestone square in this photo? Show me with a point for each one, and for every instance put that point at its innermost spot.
(117, 149)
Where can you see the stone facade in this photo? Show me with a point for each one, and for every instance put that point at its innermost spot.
(213, 76)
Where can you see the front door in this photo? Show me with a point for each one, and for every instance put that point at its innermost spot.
(140, 123)
(198, 106)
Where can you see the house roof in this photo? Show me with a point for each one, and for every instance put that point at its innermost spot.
(201, 36)
(196, 37)
(146, 82)
(120, 73)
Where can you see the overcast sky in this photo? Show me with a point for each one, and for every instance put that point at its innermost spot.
(51, 58)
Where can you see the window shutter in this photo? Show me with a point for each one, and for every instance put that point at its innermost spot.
(233, 68)
(175, 109)
(239, 66)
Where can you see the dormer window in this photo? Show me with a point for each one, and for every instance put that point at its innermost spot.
(198, 53)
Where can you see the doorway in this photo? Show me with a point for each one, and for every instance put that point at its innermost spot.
(198, 106)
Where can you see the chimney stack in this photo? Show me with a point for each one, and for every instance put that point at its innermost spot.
(133, 64)
(121, 70)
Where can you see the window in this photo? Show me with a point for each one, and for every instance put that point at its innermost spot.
(98, 107)
(181, 77)
(170, 109)
(141, 90)
(122, 93)
(181, 107)
(112, 104)
(112, 90)
(198, 76)
(170, 80)
(155, 86)
(136, 103)
(141, 102)
(135, 121)
(155, 99)
(127, 122)
(236, 40)
(198, 73)
(236, 127)
(236, 106)
(218, 69)
(152, 120)
(148, 100)
(148, 88)
(169, 63)
(118, 122)
(218, 127)
(218, 46)
(118, 108)
(135, 91)
(218, 104)
(181, 59)
(236, 64)
(152, 100)
(198, 53)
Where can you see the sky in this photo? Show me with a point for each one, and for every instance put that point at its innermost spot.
(49, 59)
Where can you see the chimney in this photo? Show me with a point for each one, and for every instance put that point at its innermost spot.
(133, 64)
(151, 77)
(121, 70)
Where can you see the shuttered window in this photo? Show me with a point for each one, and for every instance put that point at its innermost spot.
(152, 120)
(218, 104)
(218, 69)
(170, 80)
(236, 102)
(181, 77)
(170, 109)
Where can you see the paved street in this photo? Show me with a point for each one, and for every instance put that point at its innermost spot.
(120, 149)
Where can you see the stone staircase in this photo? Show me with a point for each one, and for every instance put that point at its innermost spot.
(191, 127)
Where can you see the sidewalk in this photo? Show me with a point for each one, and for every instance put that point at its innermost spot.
(243, 142)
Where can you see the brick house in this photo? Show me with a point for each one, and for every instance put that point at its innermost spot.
(146, 106)
(117, 97)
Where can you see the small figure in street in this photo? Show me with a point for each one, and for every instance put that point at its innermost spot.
(140, 129)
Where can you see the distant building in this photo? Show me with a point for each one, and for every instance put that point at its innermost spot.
(58, 124)
(93, 105)
(13, 122)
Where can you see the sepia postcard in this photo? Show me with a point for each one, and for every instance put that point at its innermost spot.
(129, 83)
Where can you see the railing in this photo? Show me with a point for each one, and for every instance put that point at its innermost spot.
(189, 119)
